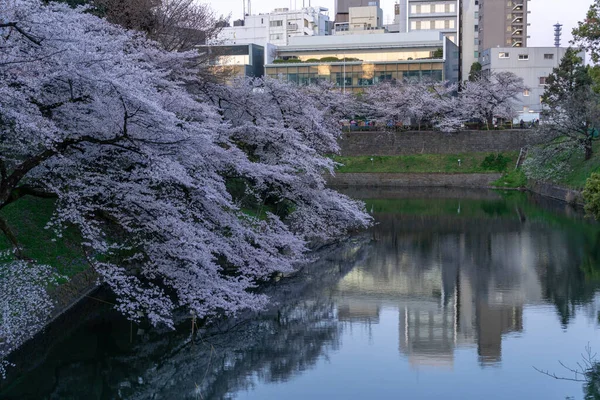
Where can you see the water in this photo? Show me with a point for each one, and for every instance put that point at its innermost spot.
(453, 295)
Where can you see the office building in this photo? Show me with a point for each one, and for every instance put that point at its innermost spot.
(533, 64)
(420, 15)
(231, 61)
(355, 61)
(277, 27)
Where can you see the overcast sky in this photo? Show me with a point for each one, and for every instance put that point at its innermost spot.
(544, 14)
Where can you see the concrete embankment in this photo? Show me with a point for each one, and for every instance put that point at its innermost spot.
(570, 196)
(376, 179)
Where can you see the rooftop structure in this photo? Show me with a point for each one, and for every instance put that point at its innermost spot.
(342, 8)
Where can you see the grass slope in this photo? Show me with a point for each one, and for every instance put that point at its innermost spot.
(423, 163)
(27, 218)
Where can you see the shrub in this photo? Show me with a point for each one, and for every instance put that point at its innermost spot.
(513, 179)
(591, 195)
(495, 162)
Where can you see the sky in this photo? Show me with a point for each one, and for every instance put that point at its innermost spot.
(544, 14)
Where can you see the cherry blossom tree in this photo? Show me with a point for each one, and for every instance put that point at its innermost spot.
(491, 96)
(103, 120)
(419, 102)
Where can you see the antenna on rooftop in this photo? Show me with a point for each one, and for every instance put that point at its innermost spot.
(557, 34)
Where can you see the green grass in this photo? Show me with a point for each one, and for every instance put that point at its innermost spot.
(512, 179)
(422, 163)
(27, 218)
(581, 169)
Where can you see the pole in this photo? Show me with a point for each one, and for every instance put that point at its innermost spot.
(344, 75)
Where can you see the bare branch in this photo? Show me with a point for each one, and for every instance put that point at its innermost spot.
(29, 36)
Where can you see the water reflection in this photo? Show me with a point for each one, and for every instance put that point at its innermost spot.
(446, 282)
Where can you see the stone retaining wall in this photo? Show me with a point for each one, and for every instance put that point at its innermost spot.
(412, 180)
(427, 142)
(557, 192)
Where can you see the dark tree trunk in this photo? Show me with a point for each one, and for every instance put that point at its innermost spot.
(589, 150)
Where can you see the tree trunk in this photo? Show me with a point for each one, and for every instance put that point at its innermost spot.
(589, 150)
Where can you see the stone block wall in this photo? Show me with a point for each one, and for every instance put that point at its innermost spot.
(374, 143)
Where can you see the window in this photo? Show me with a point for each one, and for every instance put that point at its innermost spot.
(523, 56)
(425, 25)
(476, 42)
(542, 80)
(452, 8)
(525, 109)
(440, 8)
(451, 24)
(503, 55)
(439, 24)
(276, 23)
(275, 36)
(413, 9)
(525, 92)
(425, 9)
(476, 28)
(413, 25)
(548, 56)
(476, 54)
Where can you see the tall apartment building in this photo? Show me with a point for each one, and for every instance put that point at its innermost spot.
(424, 15)
(342, 8)
(502, 23)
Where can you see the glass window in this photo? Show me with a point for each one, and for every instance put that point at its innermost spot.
(452, 7)
(439, 24)
(425, 25)
(440, 8)
(276, 23)
(413, 9)
(542, 80)
(523, 56)
(504, 55)
(525, 92)
(548, 56)
(413, 25)
(425, 9)
(451, 24)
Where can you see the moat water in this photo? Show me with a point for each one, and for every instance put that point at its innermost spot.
(452, 295)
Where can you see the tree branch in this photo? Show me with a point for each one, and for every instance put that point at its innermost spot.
(11, 238)
(30, 37)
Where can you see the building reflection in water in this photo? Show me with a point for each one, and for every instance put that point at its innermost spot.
(454, 286)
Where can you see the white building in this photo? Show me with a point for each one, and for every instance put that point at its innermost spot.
(277, 27)
(469, 35)
(533, 64)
